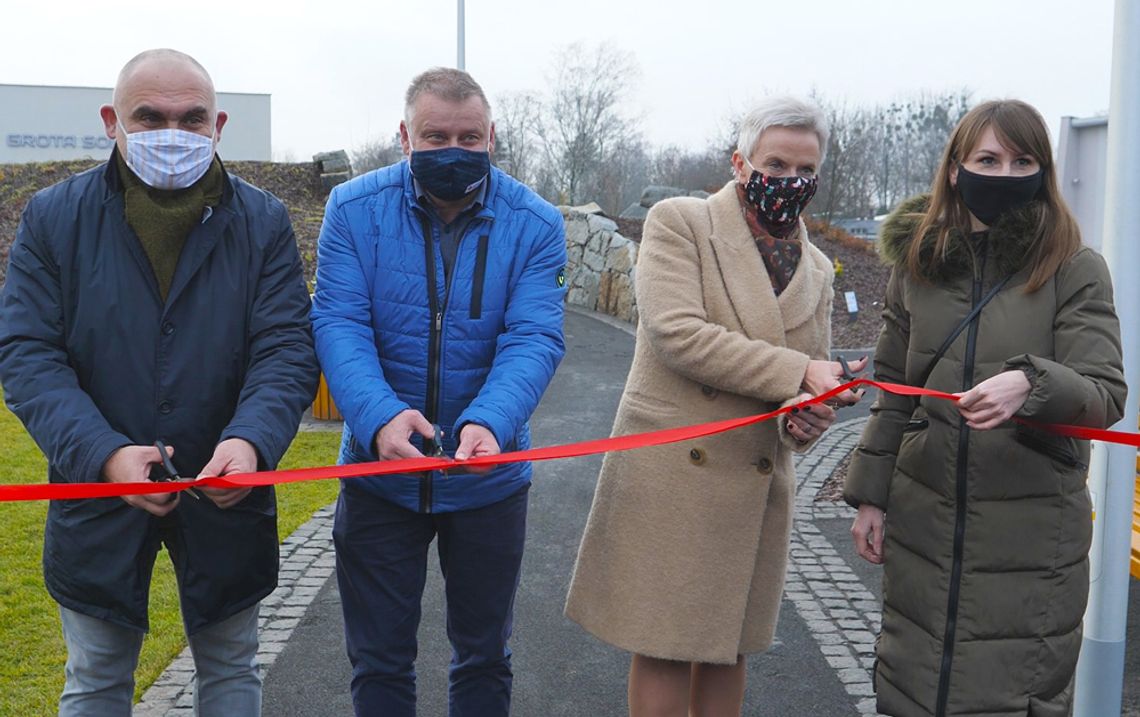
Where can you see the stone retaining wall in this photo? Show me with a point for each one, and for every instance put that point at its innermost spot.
(600, 265)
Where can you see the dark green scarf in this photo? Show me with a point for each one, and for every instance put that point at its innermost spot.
(163, 219)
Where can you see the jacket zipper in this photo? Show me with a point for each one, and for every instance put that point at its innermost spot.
(961, 493)
(434, 341)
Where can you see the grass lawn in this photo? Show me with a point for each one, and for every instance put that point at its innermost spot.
(31, 647)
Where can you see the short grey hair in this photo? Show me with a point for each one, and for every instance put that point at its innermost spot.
(782, 111)
(446, 83)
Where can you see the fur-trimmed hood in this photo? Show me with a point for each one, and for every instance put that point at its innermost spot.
(1011, 241)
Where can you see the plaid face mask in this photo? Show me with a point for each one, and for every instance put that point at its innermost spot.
(168, 158)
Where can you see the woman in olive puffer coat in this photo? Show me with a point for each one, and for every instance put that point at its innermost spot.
(983, 524)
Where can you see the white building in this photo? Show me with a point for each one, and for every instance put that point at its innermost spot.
(40, 123)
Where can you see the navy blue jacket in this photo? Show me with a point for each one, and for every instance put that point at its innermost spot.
(92, 359)
(480, 348)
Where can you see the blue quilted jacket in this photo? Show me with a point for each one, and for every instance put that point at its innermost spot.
(391, 335)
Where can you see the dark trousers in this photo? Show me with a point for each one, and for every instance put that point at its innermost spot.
(381, 566)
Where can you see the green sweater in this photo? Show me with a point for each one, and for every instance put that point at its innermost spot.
(162, 219)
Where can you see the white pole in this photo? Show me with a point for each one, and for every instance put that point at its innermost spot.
(460, 50)
(1100, 670)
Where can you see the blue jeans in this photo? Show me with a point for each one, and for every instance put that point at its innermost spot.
(381, 567)
(102, 657)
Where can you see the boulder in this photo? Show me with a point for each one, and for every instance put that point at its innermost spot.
(655, 193)
(332, 162)
(598, 223)
(634, 211)
(591, 208)
(331, 179)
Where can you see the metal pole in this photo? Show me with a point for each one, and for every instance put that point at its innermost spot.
(460, 50)
(1100, 670)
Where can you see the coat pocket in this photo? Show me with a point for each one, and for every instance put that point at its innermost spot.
(1057, 448)
(916, 424)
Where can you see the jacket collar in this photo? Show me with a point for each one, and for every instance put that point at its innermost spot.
(1011, 241)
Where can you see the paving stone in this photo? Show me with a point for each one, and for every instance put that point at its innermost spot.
(853, 674)
(859, 688)
(842, 663)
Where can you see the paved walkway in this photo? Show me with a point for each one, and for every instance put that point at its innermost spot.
(820, 664)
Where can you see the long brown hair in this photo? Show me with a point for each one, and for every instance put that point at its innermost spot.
(1020, 128)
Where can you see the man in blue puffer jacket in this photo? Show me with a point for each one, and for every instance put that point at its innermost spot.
(438, 303)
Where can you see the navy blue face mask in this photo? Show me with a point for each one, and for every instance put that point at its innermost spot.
(450, 173)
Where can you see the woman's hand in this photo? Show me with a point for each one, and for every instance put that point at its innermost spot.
(993, 401)
(822, 376)
(867, 532)
(809, 422)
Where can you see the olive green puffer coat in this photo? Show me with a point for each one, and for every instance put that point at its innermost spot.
(987, 532)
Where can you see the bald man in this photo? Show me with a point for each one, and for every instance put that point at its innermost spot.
(156, 300)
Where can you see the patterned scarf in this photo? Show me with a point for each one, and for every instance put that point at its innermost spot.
(781, 255)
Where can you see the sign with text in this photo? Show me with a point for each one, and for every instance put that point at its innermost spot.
(46, 124)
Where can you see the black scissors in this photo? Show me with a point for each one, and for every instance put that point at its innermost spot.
(170, 470)
(437, 445)
(847, 376)
(437, 441)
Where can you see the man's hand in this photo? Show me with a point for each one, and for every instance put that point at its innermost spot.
(822, 376)
(867, 532)
(809, 422)
(132, 464)
(393, 440)
(233, 455)
(993, 401)
(476, 441)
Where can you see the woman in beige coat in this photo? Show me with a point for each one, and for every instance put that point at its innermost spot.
(684, 554)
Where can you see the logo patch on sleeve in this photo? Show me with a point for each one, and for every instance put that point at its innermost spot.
(561, 278)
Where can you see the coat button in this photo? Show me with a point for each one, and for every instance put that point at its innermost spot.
(165, 407)
(709, 391)
(696, 456)
(764, 465)
(167, 329)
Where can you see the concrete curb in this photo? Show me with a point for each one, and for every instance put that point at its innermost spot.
(307, 561)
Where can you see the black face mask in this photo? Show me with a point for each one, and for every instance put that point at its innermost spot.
(988, 197)
(450, 173)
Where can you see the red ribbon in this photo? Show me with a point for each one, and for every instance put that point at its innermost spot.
(66, 491)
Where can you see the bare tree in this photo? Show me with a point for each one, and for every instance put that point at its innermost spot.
(688, 169)
(844, 189)
(518, 128)
(587, 122)
(377, 153)
(911, 134)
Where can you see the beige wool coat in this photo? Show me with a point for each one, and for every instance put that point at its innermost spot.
(685, 549)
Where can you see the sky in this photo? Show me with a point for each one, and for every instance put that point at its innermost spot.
(337, 70)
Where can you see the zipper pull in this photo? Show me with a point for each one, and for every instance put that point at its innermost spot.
(438, 320)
